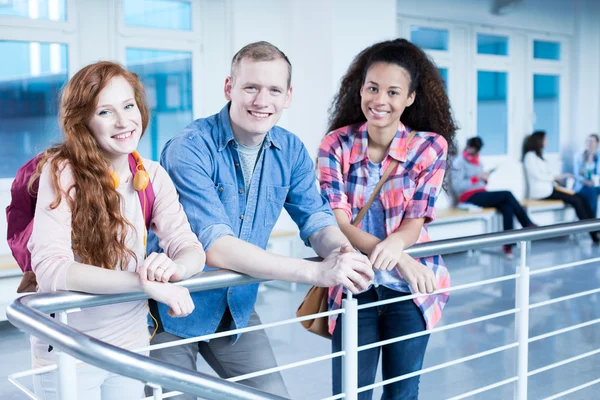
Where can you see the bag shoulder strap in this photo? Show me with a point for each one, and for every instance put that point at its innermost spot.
(384, 177)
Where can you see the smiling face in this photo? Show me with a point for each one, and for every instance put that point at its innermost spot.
(385, 95)
(116, 122)
(259, 93)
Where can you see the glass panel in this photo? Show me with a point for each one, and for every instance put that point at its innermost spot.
(54, 10)
(492, 111)
(29, 89)
(162, 14)
(490, 44)
(167, 77)
(444, 74)
(428, 38)
(546, 107)
(546, 50)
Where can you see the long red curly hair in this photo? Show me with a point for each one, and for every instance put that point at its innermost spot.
(98, 228)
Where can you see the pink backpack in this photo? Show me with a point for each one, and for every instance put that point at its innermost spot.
(20, 212)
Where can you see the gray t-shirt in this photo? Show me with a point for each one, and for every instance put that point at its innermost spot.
(248, 158)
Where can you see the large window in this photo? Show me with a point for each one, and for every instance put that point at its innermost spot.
(167, 77)
(492, 111)
(29, 89)
(546, 106)
(161, 14)
(54, 10)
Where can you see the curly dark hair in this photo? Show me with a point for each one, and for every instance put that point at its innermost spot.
(430, 112)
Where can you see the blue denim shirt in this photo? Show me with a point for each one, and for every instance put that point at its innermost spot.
(204, 165)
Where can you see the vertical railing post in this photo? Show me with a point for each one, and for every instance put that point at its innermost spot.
(350, 348)
(157, 391)
(66, 370)
(522, 324)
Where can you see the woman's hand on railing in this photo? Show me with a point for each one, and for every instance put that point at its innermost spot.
(344, 267)
(160, 268)
(420, 278)
(387, 253)
(176, 297)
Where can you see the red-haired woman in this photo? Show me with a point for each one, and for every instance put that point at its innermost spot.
(89, 229)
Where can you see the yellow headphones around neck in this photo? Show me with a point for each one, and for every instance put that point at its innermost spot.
(141, 177)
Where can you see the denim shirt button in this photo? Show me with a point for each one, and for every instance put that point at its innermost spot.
(242, 216)
(237, 164)
(221, 189)
(241, 191)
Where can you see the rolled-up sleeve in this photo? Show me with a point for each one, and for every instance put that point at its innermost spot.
(50, 242)
(190, 170)
(429, 181)
(309, 210)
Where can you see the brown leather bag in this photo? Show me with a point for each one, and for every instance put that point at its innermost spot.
(317, 297)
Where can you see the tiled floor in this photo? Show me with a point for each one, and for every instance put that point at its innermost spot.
(292, 343)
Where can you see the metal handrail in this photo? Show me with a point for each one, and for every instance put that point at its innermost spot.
(27, 313)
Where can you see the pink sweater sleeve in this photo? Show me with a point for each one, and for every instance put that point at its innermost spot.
(169, 221)
(50, 241)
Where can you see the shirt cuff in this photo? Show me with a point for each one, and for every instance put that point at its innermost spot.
(314, 224)
(212, 233)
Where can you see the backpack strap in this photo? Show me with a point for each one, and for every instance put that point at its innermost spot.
(147, 195)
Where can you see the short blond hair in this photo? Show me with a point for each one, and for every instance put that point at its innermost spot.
(260, 51)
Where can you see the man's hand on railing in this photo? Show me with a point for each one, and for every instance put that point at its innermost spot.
(176, 297)
(345, 267)
(420, 278)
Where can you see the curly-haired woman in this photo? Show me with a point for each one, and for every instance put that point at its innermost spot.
(392, 109)
(89, 232)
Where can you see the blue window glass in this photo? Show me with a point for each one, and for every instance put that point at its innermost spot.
(546, 106)
(161, 14)
(444, 74)
(491, 44)
(29, 90)
(429, 38)
(54, 10)
(167, 78)
(492, 111)
(546, 50)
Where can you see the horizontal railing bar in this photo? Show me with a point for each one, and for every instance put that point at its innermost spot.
(22, 388)
(450, 289)
(485, 388)
(122, 361)
(286, 366)
(34, 371)
(436, 330)
(564, 298)
(215, 279)
(238, 331)
(563, 362)
(563, 266)
(573, 390)
(564, 330)
(438, 367)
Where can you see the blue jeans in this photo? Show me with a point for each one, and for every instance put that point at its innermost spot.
(591, 194)
(381, 323)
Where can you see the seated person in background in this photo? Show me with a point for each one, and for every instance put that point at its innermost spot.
(469, 180)
(586, 172)
(543, 183)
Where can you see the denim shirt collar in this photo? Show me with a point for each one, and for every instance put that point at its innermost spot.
(226, 133)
